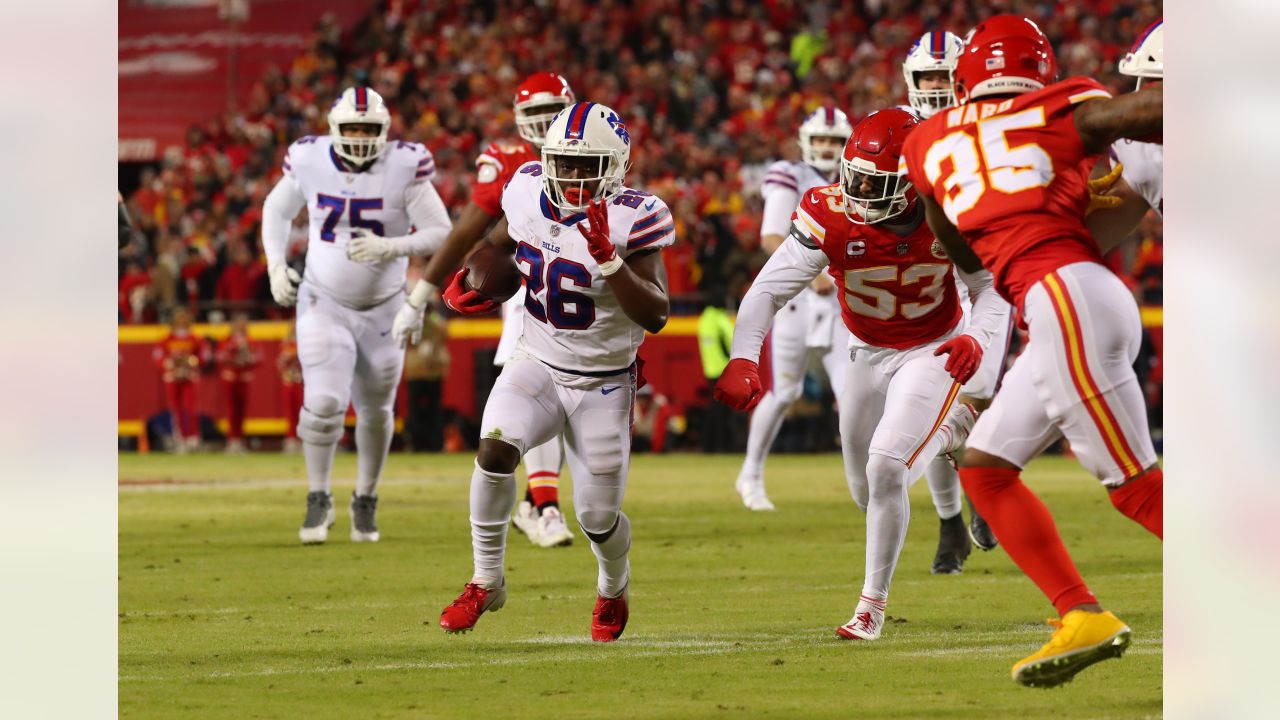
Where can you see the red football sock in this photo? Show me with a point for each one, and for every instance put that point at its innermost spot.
(1027, 532)
(1142, 500)
(544, 488)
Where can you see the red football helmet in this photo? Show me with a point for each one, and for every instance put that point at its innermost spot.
(873, 189)
(1004, 55)
(537, 101)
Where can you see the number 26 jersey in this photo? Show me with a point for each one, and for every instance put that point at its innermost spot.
(572, 319)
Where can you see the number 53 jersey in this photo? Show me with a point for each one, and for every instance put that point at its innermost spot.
(896, 290)
(1011, 175)
(572, 320)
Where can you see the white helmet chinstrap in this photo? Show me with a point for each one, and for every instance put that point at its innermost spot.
(1146, 58)
(826, 121)
(585, 155)
(933, 52)
(359, 105)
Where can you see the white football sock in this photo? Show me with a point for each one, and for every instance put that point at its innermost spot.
(493, 497)
(615, 571)
(373, 441)
(888, 512)
(944, 486)
(319, 460)
(766, 421)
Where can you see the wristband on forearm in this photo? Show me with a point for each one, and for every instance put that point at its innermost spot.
(422, 292)
(611, 266)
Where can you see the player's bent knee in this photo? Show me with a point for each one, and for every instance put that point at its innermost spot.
(886, 475)
(497, 456)
(374, 416)
(789, 393)
(320, 429)
(598, 525)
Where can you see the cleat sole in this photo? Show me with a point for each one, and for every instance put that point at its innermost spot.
(1063, 669)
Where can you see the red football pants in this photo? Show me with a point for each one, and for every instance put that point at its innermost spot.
(237, 401)
(182, 405)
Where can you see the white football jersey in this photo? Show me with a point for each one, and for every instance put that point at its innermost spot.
(572, 321)
(340, 200)
(1143, 170)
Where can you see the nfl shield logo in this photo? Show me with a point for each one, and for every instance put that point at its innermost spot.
(555, 230)
(903, 248)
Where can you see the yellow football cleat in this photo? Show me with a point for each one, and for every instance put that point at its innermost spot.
(1081, 639)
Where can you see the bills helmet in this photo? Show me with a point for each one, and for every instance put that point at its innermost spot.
(1004, 55)
(1146, 58)
(933, 52)
(537, 101)
(359, 105)
(585, 156)
(872, 187)
(826, 121)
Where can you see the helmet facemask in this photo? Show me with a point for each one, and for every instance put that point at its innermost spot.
(871, 195)
(824, 156)
(928, 102)
(574, 180)
(534, 117)
(361, 149)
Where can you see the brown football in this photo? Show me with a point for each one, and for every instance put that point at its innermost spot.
(492, 273)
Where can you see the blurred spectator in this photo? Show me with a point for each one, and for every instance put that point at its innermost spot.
(241, 281)
(654, 422)
(135, 293)
(426, 365)
(180, 356)
(237, 359)
(291, 387)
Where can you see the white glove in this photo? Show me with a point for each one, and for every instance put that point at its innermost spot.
(407, 328)
(365, 247)
(284, 284)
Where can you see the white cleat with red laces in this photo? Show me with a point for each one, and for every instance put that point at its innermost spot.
(867, 621)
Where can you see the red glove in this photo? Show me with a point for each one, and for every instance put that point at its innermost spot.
(596, 230)
(965, 355)
(739, 385)
(462, 299)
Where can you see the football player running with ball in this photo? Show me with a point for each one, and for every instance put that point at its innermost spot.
(371, 204)
(589, 249)
(913, 348)
(1003, 178)
(536, 102)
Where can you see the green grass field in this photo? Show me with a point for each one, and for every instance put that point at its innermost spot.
(223, 614)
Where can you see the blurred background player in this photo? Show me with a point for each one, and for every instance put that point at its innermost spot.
(572, 224)
(363, 196)
(1141, 183)
(928, 70)
(180, 356)
(808, 326)
(426, 365)
(1038, 140)
(290, 369)
(237, 358)
(537, 100)
(914, 348)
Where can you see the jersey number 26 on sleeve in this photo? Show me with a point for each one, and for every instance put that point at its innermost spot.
(565, 309)
(337, 205)
(1008, 169)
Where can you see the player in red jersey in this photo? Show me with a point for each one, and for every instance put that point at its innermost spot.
(898, 298)
(1003, 178)
(290, 368)
(179, 357)
(537, 101)
(237, 358)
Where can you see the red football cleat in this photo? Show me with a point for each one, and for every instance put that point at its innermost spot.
(609, 618)
(462, 614)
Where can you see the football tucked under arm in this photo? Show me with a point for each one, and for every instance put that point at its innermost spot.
(790, 269)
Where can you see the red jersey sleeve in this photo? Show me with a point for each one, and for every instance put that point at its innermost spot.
(494, 168)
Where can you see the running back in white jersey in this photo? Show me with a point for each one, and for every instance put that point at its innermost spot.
(340, 200)
(572, 320)
(785, 182)
(1143, 170)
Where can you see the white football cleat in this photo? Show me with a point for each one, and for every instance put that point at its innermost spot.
(526, 521)
(868, 620)
(752, 491)
(552, 530)
(364, 518)
(320, 517)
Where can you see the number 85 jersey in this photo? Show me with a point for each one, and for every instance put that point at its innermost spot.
(572, 320)
(896, 290)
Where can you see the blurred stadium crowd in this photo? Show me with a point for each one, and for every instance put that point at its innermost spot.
(712, 91)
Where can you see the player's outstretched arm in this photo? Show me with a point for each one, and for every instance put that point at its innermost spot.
(1134, 115)
(790, 269)
(466, 233)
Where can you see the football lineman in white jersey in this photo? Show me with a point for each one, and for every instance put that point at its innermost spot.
(1141, 183)
(928, 70)
(590, 252)
(371, 204)
(810, 324)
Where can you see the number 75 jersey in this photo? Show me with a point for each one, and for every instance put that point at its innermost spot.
(896, 291)
(572, 319)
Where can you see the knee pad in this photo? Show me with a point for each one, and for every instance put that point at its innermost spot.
(374, 416)
(320, 429)
(598, 524)
(886, 475)
(788, 391)
(498, 456)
